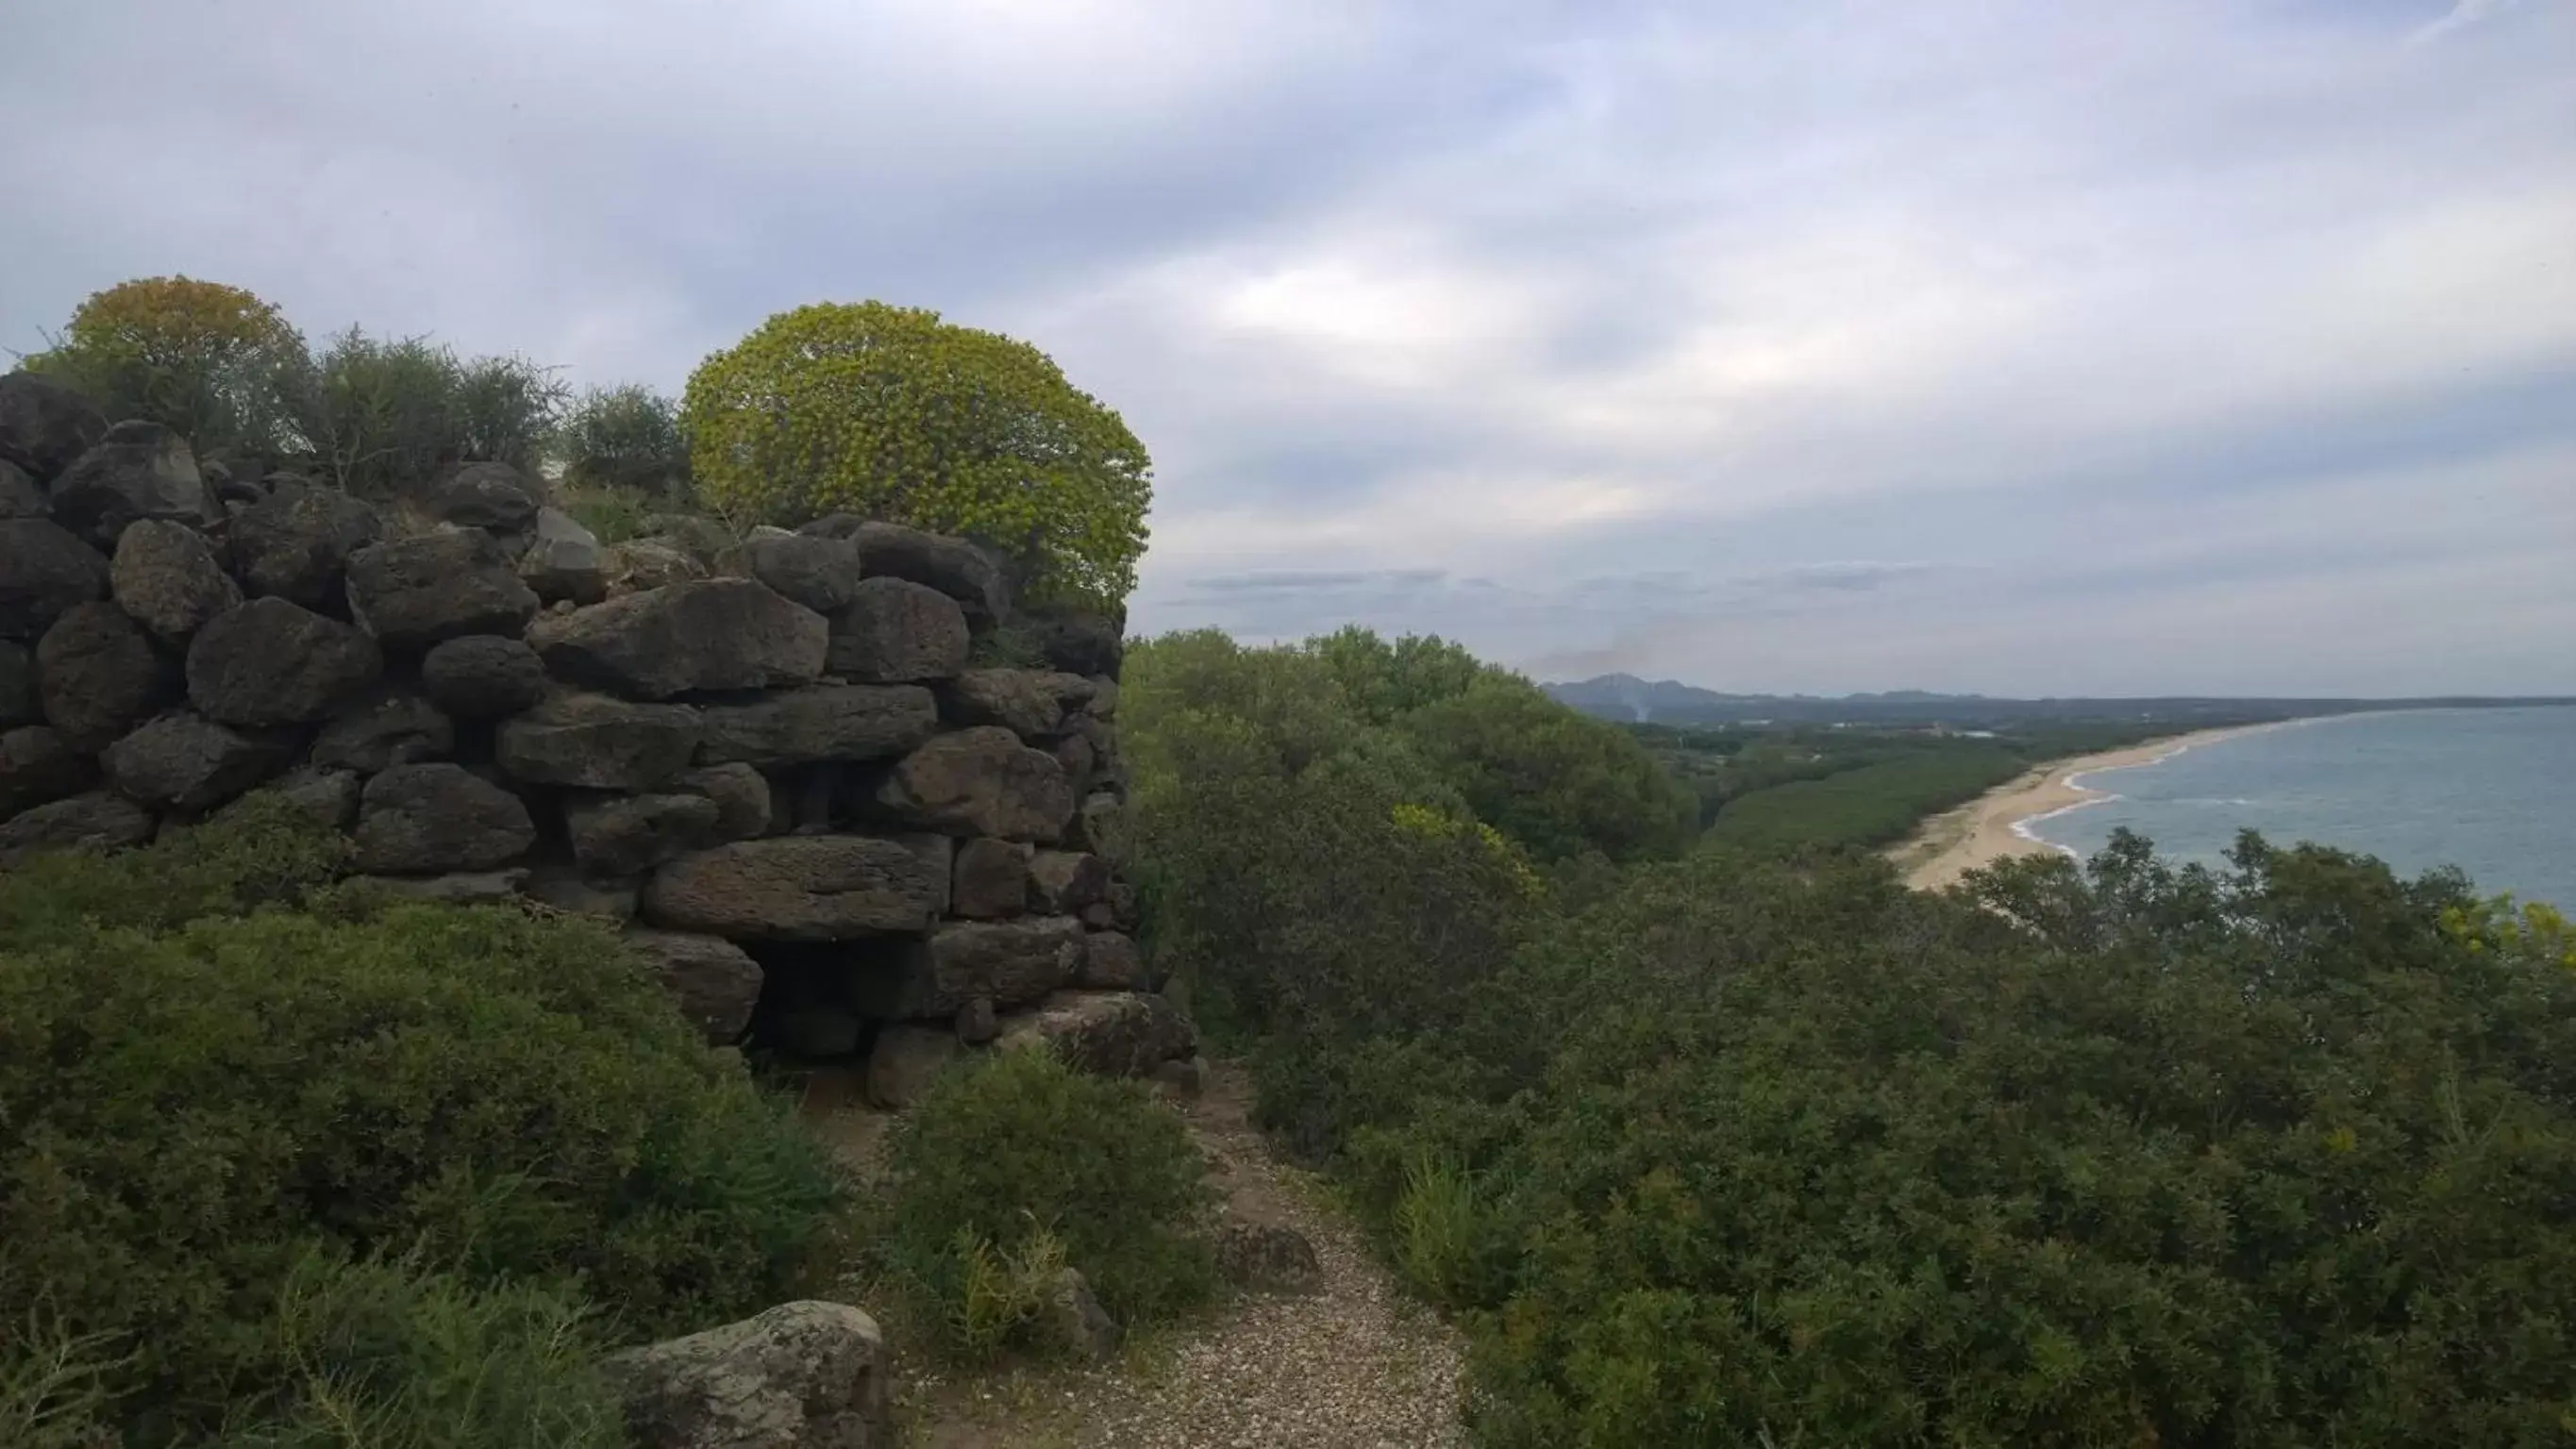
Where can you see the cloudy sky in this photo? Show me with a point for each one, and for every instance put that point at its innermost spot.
(2035, 347)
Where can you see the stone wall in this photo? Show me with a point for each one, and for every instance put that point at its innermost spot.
(768, 758)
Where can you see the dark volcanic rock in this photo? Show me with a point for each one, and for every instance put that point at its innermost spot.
(98, 675)
(642, 564)
(623, 834)
(981, 781)
(328, 798)
(187, 763)
(1107, 1033)
(992, 879)
(962, 571)
(894, 631)
(805, 726)
(270, 662)
(567, 889)
(1111, 962)
(20, 495)
(1010, 962)
(18, 701)
(424, 819)
(740, 794)
(711, 635)
(482, 495)
(296, 542)
(44, 425)
(382, 729)
(820, 573)
(138, 470)
(800, 1376)
(44, 571)
(165, 576)
(1064, 882)
(38, 765)
(483, 676)
(714, 981)
(99, 820)
(598, 743)
(414, 592)
(1023, 701)
(564, 560)
(803, 888)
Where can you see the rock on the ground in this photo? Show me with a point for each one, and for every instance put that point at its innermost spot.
(38, 765)
(643, 564)
(710, 635)
(98, 675)
(418, 591)
(627, 834)
(99, 820)
(804, 888)
(483, 676)
(981, 781)
(800, 1376)
(482, 495)
(564, 560)
(992, 878)
(904, 1060)
(597, 743)
(808, 726)
(894, 631)
(1111, 962)
(180, 761)
(296, 542)
(44, 571)
(820, 573)
(1006, 962)
(44, 425)
(715, 982)
(1066, 882)
(1075, 1321)
(165, 576)
(438, 818)
(961, 570)
(136, 470)
(978, 1021)
(1023, 701)
(383, 728)
(1267, 1257)
(270, 662)
(1108, 1033)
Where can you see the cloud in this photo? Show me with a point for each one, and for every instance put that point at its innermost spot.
(1841, 346)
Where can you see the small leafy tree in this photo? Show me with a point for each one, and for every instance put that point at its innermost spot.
(381, 416)
(890, 412)
(201, 357)
(626, 438)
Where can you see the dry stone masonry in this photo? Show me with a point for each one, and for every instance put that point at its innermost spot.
(768, 760)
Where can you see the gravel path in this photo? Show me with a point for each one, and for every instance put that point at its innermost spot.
(1355, 1365)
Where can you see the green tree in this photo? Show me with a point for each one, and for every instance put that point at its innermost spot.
(1558, 781)
(890, 412)
(624, 438)
(203, 358)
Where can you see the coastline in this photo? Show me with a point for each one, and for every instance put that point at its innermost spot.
(1998, 824)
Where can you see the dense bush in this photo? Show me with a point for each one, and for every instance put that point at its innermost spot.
(625, 439)
(206, 359)
(1012, 1167)
(890, 412)
(382, 416)
(195, 1095)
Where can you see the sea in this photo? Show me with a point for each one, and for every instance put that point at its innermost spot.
(2491, 791)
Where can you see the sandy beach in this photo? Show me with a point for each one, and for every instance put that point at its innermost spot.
(1982, 832)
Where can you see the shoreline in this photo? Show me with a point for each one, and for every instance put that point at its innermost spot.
(1998, 824)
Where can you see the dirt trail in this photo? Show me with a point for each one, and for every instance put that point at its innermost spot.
(1354, 1365)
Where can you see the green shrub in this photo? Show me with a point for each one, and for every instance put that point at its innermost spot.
(1558, 781)
(1017, 1164)
(186, 1105)
(205, 359)
(382, 417)
(892, 413)
(624, 440)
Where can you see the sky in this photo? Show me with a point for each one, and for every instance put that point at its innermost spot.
(2022, 348)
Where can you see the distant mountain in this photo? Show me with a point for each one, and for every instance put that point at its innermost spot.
(1663, 701)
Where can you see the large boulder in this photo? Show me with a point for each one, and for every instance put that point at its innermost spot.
(328, 798)
(894, 631)
(597, 743)
(384, 728)
(904, 1059)
(1023, 701)
(137, 470)
(800, 1376)
(714, 981)
(44, 425)
(428, 819)
(295, 543)
(1010, 962)
(564, 560)
(642, 564)
(806, 726)
(482, 495)
(714, 634)
(820, 573)
(44, 571)
(623, 834)
(414, 592)
(1111, 962)
(1106, 1033)
(184, 762)
(19, 703)
(962, 571)
(803, 888)
(165, 575)
(483, 676)
(99, 820)
(98, 675)
(992, 879)
(1266, 1257)
(740, 794)
(38, 765)
(21, 496)
(1065, 882)
(270, 662)
(981, 781)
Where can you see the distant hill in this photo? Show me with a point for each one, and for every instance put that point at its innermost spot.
(1663, 701)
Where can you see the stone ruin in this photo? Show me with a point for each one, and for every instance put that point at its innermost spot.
(769, 758)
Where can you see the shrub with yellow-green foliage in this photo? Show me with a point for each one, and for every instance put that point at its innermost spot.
(201, 357)
(889, 412)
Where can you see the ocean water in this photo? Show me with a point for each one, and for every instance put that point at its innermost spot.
(2492, 791)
